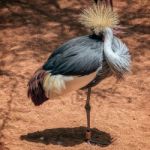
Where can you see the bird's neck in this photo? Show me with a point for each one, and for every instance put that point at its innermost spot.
(113, 60)
(108, 37)
(118, 60)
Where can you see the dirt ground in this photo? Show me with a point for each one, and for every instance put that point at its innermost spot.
(29, 31)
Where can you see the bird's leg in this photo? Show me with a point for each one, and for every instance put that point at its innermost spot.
(88, 138)
(88, 109)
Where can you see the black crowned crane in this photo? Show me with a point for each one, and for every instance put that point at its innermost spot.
(84, 61)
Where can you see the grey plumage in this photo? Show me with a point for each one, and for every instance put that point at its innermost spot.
(79, 56)
(123, 64)
(84, 55)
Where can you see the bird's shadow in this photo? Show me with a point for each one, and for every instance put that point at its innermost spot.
(67, 136)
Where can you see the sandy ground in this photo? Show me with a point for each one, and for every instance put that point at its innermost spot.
(29, 31)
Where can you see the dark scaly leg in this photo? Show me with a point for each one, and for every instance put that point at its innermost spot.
(88, 137)
(88, 109)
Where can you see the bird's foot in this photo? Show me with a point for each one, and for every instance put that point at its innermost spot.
(88, 135)
(91, 141)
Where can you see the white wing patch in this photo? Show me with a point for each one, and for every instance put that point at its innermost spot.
(58, 85)
(55, 83)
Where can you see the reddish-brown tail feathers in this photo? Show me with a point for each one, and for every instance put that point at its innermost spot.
(35, 87)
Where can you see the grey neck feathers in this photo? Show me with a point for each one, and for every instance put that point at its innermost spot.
(118, 60)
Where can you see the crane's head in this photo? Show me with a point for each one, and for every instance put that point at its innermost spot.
(99, 18)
